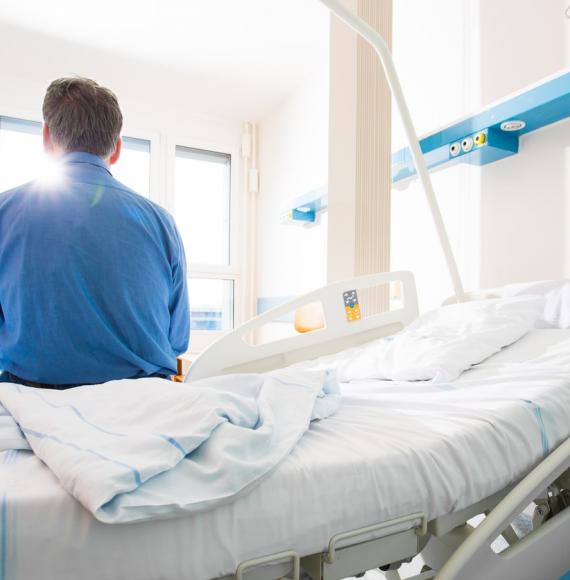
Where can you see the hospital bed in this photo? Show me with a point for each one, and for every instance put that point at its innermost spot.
(372, 486)
(449, 543)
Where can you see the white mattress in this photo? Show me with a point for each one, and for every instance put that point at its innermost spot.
(391, 450)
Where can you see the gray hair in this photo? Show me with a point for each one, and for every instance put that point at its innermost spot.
(82, 116)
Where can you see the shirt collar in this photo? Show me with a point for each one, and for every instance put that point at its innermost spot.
(81, 157)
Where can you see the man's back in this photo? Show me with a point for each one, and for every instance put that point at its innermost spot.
(92, 283)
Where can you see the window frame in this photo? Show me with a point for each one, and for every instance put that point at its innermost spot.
(200, 339)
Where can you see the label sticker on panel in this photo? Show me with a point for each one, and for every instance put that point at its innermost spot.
(351, 305)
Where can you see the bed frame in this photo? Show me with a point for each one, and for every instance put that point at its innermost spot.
(450, 545)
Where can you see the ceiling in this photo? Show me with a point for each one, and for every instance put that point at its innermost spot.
(265, 47)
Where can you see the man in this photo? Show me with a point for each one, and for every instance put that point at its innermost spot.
(92, 275)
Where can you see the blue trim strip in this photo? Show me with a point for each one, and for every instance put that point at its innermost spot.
(75, 410)
(536, 411)
(39, 435)
(543, 437)
(174, 443)
(78, 413)
(316, 200)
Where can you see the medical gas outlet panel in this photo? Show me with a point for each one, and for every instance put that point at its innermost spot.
(493, 133)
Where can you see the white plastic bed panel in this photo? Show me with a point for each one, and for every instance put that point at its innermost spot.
(233, 354)
(543, 554)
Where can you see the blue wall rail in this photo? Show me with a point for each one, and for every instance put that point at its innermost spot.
(304, 209)
(485, 137)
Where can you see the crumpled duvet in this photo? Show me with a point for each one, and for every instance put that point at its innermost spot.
(138, 449)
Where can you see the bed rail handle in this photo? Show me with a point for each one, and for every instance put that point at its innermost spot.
(421, 531)
(271, 558)
(234, 353)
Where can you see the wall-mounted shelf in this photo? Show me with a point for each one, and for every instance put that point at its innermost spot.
(304, 209)
(483, 137)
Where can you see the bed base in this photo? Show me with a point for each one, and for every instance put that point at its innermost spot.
(454, 549)
(544, 553)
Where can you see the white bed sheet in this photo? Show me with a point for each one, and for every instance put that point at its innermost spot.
(390, 450)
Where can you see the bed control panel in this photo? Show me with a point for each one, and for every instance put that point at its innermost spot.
(351, 305)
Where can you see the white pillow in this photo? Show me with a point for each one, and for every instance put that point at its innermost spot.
(441, 344)
(557, 300)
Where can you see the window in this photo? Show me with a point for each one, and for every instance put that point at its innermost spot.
(22, 157)
(202, 209)
(202, 204)
(133, 167)
(21, 152)
(211, 302)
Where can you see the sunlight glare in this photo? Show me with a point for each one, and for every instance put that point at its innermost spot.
(50, 172)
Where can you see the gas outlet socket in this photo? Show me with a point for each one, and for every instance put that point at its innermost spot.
(467, 144)
(455, 149)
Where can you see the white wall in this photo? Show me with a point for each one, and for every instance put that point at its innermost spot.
(293, 159)
(153, 98)
(509, 220)
(436, 52)
(525, 199)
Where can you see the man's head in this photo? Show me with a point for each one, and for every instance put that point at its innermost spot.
(80, 115)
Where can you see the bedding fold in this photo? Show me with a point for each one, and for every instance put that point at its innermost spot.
(137, 449)
(440, 344)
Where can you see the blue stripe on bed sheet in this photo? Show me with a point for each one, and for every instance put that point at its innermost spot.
(540, 422)
(39, 435)
(3, 537)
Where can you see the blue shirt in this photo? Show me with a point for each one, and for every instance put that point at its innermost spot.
(92, 280)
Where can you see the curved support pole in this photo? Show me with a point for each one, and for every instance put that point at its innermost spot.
(376, 40)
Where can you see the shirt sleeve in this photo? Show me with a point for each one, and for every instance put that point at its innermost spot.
(179, 306)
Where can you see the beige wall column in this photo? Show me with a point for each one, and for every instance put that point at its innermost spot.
(359, 148)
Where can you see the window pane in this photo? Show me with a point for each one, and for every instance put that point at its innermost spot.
(133, 166)
(22, 155)
(211, 303)
(202, 204)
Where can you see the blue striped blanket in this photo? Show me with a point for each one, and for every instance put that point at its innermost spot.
(138, 449)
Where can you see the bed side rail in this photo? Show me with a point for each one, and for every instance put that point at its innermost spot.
(233, 353)
(542, 554)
